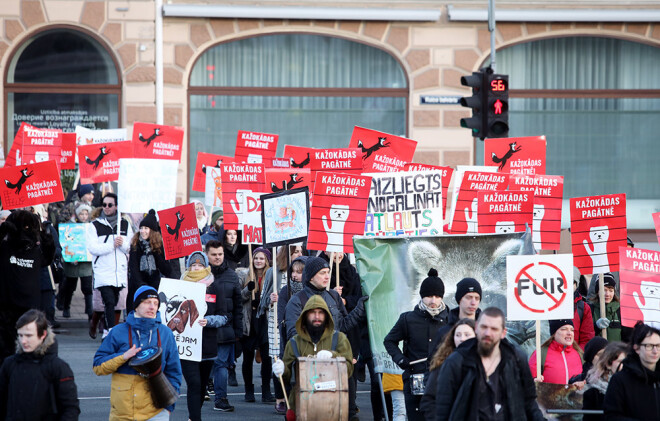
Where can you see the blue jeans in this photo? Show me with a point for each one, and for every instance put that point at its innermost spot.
(223, 361)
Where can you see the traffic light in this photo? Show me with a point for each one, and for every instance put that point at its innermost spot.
(497, 105)
(477, 123)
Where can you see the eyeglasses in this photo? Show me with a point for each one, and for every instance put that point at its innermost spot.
(108, 205)
(650, 347)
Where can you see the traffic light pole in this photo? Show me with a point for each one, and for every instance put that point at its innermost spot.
(491, 29)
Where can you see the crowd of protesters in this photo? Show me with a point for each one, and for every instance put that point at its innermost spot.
(456, 362)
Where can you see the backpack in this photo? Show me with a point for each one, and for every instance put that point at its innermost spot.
(296, 352)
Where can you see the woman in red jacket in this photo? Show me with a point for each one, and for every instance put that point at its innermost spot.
(561, 357)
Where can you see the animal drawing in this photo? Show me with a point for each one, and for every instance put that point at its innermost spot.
(18, 185)
(537, 214)
(103, 151)
(648, 302)
(382, 143)
(502, 161)
(147, 141)
(175, 231)
(471, 217)
(335, 227)
(217, 193)
(294, 179)
(504, 227)
(179, 312)
(302, 164)
(287, 219)
(598, 237)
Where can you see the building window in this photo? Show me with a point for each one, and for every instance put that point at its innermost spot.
(309, 89)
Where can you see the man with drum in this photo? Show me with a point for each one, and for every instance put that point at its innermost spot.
(144, 335)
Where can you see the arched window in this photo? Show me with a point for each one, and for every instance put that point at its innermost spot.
(309, 89)
(60, 78)
(597, 100)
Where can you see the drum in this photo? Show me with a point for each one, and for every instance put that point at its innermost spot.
(147, 363)
(321, 389)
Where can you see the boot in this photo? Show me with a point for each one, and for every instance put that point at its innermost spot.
(94, 323)
(266, 396)
(249, 393)
(88, 305)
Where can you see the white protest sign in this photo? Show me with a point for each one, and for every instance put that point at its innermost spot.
(146, 184)
(539, 287)
(85, 136)
(250, 219)
(182, 305)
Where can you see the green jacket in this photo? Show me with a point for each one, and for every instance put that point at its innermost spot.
(613, 314)
(307, 347)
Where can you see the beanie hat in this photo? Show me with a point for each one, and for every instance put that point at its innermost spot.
(556, 324)
(83, 206)
(592, 347)
(150, 221)
(576, 275)
(608, 281)
(85, 189)
(465, 286)
(432, 285)
(312, 267)
(269, 256)
(215, 215)
(197, 257)
(144, 292)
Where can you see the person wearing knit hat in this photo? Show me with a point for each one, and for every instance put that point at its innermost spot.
(86, 193)
(197, 257)
(417, 329)
(150, 221)
(265, 251)
(217, 218)
(611, 320)
(314, 265)
(143, 293)
(592, 351)
(83, 211)
(561, 357)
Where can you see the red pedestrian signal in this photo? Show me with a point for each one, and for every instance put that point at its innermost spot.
(497, 124)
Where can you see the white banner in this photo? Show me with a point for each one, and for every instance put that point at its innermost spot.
(146, 184)
(250, 219)
(85, 136)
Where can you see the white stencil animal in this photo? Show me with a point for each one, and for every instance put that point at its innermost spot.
(472, 222)
(335, 228)
(505, 227)
(598, 237)
(537, 214)
(649, 302)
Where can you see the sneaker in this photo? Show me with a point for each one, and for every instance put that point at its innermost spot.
(66, 313)
(207, 397)
(280, 408)
(231, 379)
(223, 405)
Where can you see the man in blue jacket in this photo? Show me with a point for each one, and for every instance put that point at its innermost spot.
(131, 396)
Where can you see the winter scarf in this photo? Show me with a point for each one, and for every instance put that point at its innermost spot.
(432, 311)
(147, 261)
(204, 276)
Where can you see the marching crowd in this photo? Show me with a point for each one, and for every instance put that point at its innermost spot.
(457, 363)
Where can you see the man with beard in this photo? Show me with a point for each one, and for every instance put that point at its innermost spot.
(487, 377)
(316, 336)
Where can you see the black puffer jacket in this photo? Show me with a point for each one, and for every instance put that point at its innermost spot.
(228, 303)
(455, 398)
(417, 330)
(633, 392)
(38, 386)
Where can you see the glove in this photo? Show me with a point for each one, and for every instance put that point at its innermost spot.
(278, 368)
(324, 355)
(251, 285)
(603, 323)
(404, 363)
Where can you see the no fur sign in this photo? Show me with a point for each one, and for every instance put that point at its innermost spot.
(539, 287)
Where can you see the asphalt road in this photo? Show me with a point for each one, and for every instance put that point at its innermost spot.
(77, 349)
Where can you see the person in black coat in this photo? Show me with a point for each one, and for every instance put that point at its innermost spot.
(236, 253)
(34, 383)
(486, 375)
(634, 392)
(416, 329)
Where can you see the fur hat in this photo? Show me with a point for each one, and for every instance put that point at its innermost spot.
(144, 292)
(150, 221)
(608, 281)
(197, 257)
(82, 207)
(432, 285)
(465, 286)
(313, 265)
(555, 325)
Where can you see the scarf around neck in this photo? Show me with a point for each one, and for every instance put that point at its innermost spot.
(204, 276)
(112, 219)
(432, 311)
(147, 261)
(295, 287)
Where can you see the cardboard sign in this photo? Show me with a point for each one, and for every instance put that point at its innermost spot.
(178, 227)
(68, 156)
(516, 155)
(239, 176)
(539, 287)
(146, 184)
(656, 223)
(281, 179)
(447, 172)
(465, 219)
(251, 218)
(205, 161)
(85, 136)
(41, 145)
(73, 241)
(285, 217)
(338, 211)
(503, 212)
(254, 147)
(298, 156)
(100, 162)
(639, 272)
(182, 304)
(382, 152)
(213, 188)
(405, 203)
(598, 229)
(31, 184)
(157, 142)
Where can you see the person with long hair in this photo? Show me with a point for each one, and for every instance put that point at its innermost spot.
(561, 357)
(146, 260)
(459, 333)
(611, 320)
(236, 253)
(201, 216)
(598, 378)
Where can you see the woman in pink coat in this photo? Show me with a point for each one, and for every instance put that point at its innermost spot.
(561, 357)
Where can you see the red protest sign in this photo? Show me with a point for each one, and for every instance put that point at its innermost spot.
(598, 229)
(68, 160)
(15, 155)
(239, 176)
(156, 141)
(548, 194)
(178, 226)
(382, 152)
(255, 147)
(504, 211)
(31, 184)
(338, 211)
(41, 145)
(446, 178)
(204, 161)
(639, 272)
(99, 162)
(656, 223)
(465, 219)
(516, 155)
(280, 179)
(298, 156)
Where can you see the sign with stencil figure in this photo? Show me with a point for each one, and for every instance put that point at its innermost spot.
(100, 162)
(206, 161)
(239, 176)
(255, 147)
(548, 194)
(338, 211)
(504, 212)
(178, 226)
(157, 141)
(281, 179)
(539, 287)
(28, 185)
(85, 136)
(598, 229)
(639, 272)
(465, 220)
(382, 152)
(447, 172)
(516, 155)
(41, 145)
